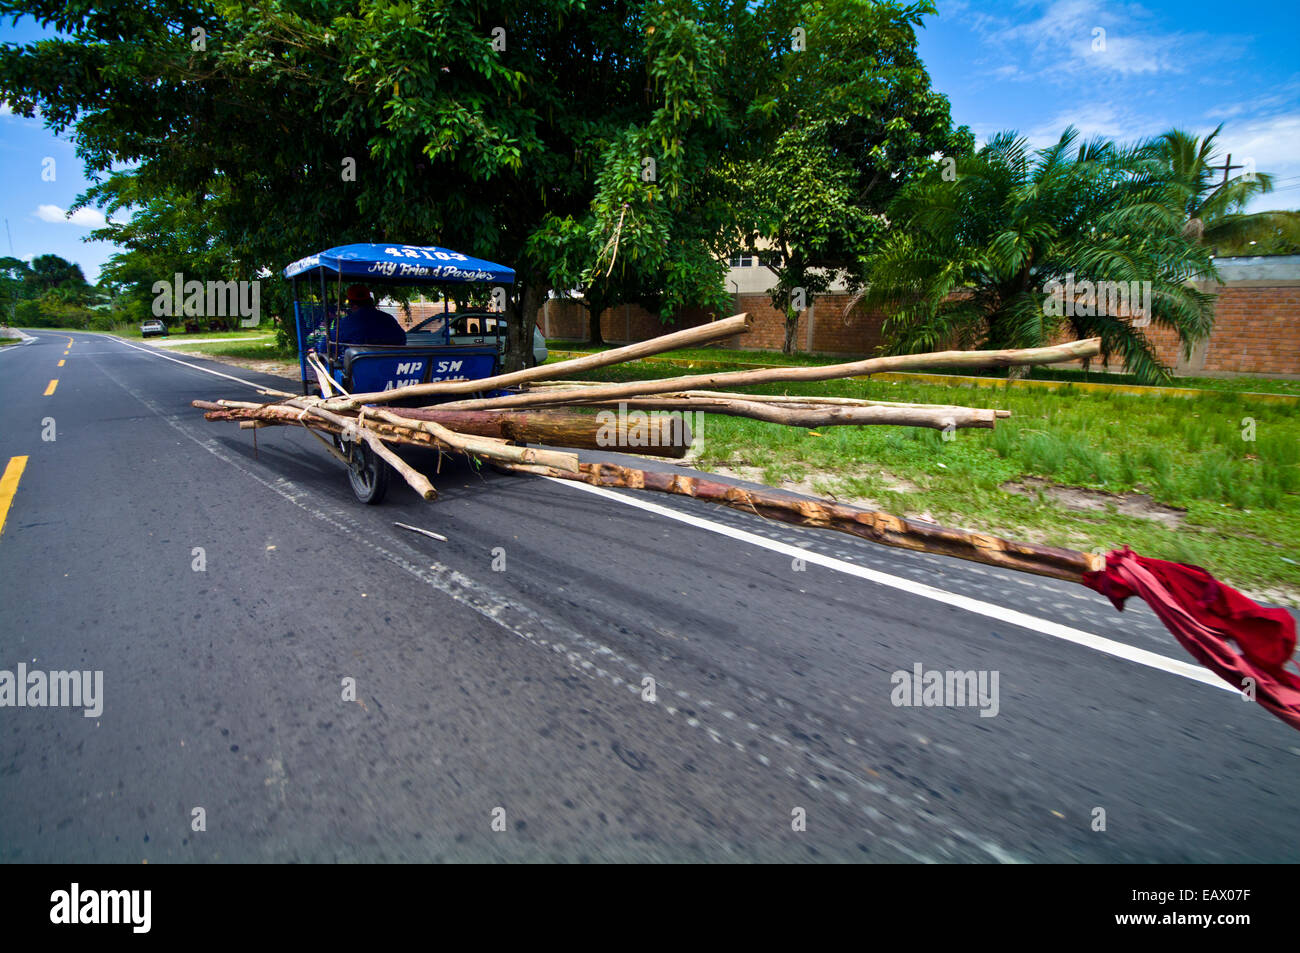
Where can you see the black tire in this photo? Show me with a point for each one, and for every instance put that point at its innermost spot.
(368, 474)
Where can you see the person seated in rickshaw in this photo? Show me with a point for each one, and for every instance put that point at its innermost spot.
(364, 324)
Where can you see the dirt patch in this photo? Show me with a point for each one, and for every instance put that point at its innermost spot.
(806, 486)
(277, 368)
(816, 484)
(1083, 500)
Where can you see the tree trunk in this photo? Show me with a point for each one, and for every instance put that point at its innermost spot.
(791, 330)
(594, 311)
(521, 319)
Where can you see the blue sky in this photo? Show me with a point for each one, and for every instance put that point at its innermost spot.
(1027, 65)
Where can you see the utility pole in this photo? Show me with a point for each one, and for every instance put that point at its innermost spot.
(13, 298)
(1226, 167)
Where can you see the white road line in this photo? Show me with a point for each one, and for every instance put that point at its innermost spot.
(177, 360)
(1025, 621)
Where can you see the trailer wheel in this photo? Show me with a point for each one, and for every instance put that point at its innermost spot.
(367, 473)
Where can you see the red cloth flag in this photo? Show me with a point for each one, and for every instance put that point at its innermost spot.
(1205, 616)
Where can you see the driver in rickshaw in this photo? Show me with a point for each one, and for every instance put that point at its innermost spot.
(364, 324)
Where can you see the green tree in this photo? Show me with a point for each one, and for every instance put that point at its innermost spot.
(1278, 234)
(844, 116)
(982, 256)
(518, 132)
(1214, 203)
(15, 286)
(62, 280)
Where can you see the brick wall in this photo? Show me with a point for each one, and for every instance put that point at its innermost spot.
(1256, 331)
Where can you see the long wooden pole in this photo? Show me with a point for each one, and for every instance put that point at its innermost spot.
(314, 417)
(701, 334)
(811, 415)
(667, 437)
(876, 526)
(1012, 358)
(792, 399)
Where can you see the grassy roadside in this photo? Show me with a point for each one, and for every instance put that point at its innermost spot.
(133, 331)
(263, 349)
(1172, 477)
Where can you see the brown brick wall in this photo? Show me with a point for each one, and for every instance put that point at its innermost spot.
(1256, 331)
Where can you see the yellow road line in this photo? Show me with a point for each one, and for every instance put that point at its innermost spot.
(9, 486)
(62, 362)
(50, 390)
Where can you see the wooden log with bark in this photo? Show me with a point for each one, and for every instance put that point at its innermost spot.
(1022, 357)
(809, 415)
(492, 429)
(876, 526)
(665, 437)
(790, 399)
(286, 414)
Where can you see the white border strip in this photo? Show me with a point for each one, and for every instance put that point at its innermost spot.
(1022, 619)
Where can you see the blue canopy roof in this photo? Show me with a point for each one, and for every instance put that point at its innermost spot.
(400, 264)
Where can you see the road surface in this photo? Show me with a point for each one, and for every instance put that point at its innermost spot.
(570, 676)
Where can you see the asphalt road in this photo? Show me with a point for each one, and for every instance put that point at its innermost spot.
(515, 695)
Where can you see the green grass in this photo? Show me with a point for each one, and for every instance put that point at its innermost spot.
(1242, 497)
(5, 342)
(174, 334)
(133, 331)
(261, 350)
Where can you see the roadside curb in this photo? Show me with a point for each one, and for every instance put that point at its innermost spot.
(23, 336)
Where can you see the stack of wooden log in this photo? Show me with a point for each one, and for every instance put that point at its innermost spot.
(542, 410)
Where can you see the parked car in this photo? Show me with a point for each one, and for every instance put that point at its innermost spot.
(473, 327)
(153, 326)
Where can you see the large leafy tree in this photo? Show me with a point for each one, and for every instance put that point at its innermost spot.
(983, 256)
(290, 125)
(846, 115)
(518, 131)
(15, 285)
(1278, 235)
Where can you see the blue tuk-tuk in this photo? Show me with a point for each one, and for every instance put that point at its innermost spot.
(358, 368)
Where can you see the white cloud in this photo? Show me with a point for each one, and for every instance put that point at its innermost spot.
(82, 217)
(1271, 141)
(1055, 39)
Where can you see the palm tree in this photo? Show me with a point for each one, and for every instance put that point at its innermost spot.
(983, 256)
(1213, 205)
